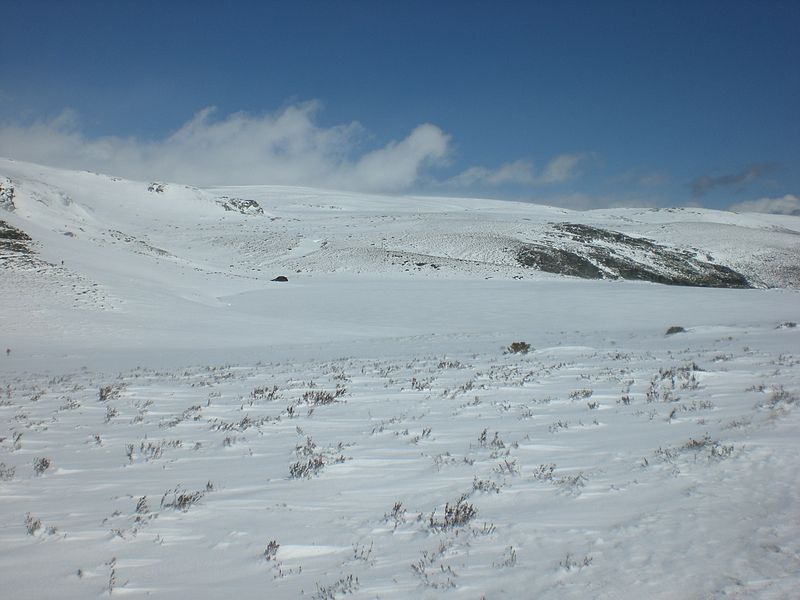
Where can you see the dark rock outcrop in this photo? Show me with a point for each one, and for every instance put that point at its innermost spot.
(594, 253)
(6, 193)
(13, 240)
(240, 205)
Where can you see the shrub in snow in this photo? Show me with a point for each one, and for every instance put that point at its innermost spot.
(518, 348)
(183, 500)
(455, 515)
(109, 392)
(345, 586)
(40, 465)
(32, 524)
(272, 550)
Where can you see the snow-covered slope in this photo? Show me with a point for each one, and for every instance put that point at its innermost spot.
(175, 424)
(312, 231)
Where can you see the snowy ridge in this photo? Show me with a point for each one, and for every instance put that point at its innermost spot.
(313, 231)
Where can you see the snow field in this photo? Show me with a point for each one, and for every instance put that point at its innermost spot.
(665, 468)
(174, 424)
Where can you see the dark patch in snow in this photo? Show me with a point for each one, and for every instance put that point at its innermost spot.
(140, 246)
(240, 205)
(281, 278)
(6, 193)
(13, 241)
(593, 253)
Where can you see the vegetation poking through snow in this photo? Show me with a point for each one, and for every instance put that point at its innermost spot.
(518, 348)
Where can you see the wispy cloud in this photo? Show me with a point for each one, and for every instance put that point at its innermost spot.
(706, 183)
(521, 172)
(560, 169)
(786, 205)
(286, 147)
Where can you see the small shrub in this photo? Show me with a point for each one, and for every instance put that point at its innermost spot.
(398, 514)
(518, 348)
(580, 394)
(507, 467)
(509, 558)
(181, 500)
(272, 550)
(111, 412)
(675, 329)
(449, 364)
(570, 562)
(141, 506)
(420, 384)
(484, 485)
(362, 552)
(344, 586)
(698, 444)
(109, 392)
(32, 524)
(571, 484)
(40, 465)
(720, 451)
(781, 397)
(455, 515)
(322, 397)
(544, 472)
(307, 468)
(265, 393)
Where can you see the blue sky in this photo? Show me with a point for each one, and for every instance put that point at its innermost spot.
(581, 104)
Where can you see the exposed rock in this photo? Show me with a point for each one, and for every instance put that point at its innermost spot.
(157, 187)
(6, 193)
(138, 246)
(15, 247)
(281, 278)
(593, 253)
(13, 239)
(240, 205)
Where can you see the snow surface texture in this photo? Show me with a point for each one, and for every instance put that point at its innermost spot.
(174, 424)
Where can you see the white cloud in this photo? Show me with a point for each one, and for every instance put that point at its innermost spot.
(786, 205)
(286, 147)
(560, 169)
(397, 165)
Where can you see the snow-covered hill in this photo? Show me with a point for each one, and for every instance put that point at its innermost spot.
(174, 423)
(249, 232)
